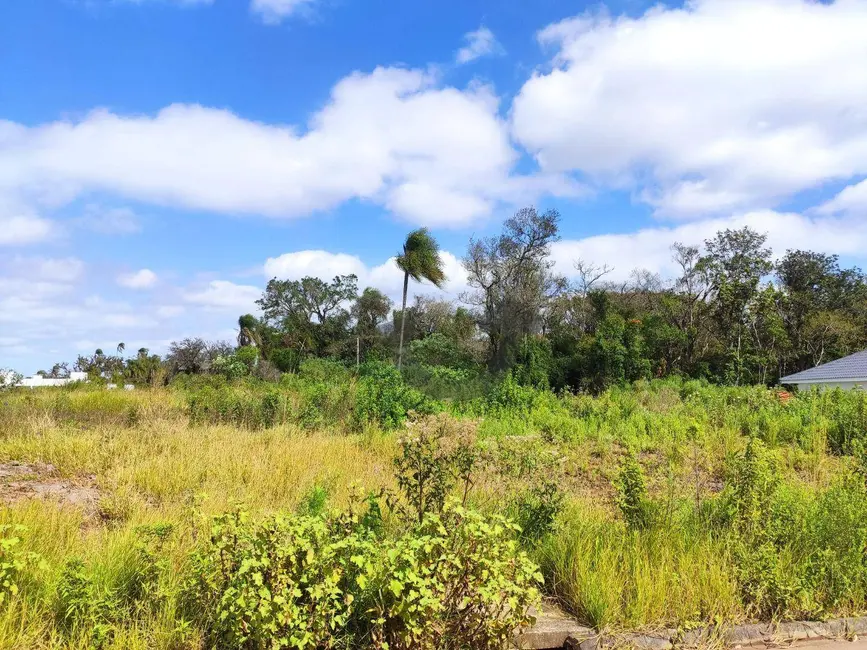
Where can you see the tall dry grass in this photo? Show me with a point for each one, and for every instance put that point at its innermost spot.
(152, 468)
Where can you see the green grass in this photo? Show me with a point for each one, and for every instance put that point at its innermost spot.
(698, 561)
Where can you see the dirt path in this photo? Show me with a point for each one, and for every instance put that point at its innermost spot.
(23, 481)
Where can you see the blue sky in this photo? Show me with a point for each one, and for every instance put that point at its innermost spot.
(161, 159)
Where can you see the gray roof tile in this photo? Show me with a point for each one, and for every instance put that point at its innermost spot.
(852, 367)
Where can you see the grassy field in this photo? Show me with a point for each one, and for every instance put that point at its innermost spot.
(663, 504)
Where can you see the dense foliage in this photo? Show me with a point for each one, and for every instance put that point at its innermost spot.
(732, 313)
(664, 503)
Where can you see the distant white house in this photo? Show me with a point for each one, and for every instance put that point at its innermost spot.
(846, 373)
(38, 381)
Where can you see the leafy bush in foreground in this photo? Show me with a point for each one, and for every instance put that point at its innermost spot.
(455, 580)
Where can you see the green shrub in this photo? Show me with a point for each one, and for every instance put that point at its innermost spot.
(753, 480)
(455, 580)
(286, 359)
(458, 581)
(632, 499)
(272, 408)
(837, 534)
(323, 370)
(439, 350)
(441, 382)
(536, 511)
(510, 396)
(314, 399)
(240, 406)
(285, 582)
(93, 605)
(314, 501)
(248, 355)
(83, 609)
(436, 452)
(534, 363)
(382, 398)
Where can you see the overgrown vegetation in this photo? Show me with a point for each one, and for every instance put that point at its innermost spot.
(665, 503)
(733, 313)
(616, 448)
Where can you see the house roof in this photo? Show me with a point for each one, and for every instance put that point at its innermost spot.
(846, 369)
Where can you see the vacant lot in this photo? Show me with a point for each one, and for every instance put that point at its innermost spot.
(664, 504)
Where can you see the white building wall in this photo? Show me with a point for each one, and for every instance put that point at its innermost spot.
(38, 381)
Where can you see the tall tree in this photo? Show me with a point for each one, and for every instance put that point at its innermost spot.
(120, 348)
(512, 282)
(735, 261)
(370, 312)
(419, 260)
(188, 355)
(823, 306)
(310, 314)
(690, 308)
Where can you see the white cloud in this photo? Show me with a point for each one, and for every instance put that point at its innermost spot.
(48, 314)
(45, 308)
(385, 276)
(223, 295)
(128, 321)
(170, 311)
(141, 279)
(479, 43)
(21, 229)
(720, 106)
(851, 200)
(651, 248)
(394, 137)
(274, 11)
(316, 263)
(109, 221)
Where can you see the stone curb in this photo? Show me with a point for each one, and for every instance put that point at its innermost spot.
(563, 632)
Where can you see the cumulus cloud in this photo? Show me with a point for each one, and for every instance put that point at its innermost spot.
(650, 248)
(141, 279)
(18, 229)
(223, 295)
(479, 43)
(394, 136)
(385, 276)
(851, 200)
(275, 11)
(711, 108)
(316, 263)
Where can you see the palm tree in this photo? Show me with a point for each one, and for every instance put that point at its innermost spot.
(248, 333)
(420, 260)
(120, 348)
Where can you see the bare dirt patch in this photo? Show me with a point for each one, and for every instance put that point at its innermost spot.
(23, 481)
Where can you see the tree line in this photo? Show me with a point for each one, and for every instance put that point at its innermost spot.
(732, 313)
